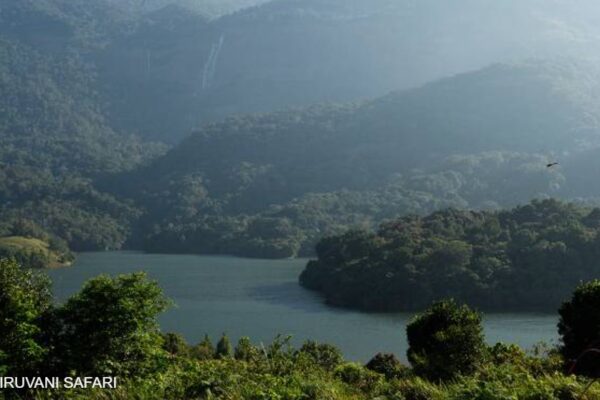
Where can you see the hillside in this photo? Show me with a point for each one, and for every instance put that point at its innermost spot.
(272, 184)
(33, 252)
(169, 70)
(86, 88)
(55, 138)
(162, 68)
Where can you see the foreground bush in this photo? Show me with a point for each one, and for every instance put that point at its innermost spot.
(579, 327)
(110, 327)
(116, 319)
(445, 341)
(24, 298)
(388, 365)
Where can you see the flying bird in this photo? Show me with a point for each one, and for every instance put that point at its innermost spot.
(552, 164)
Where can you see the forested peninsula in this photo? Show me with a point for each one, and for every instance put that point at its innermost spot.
(527, 258)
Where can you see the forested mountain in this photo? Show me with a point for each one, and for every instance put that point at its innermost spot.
(272, 184)
(54, 137)
(84, 87)
(166, 69)
(294, 53)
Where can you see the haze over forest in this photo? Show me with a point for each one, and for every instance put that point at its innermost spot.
(428, 156)
(257, 128)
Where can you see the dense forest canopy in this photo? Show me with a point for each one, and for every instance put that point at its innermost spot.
(176, 57)
(501, 260)
(54, 137)
(86, 88)
(478, 140)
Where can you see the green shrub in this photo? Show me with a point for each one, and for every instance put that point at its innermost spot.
(110, 327)
(388, 365)
(175, 344)
(246, 351)
(579, 328)
(324, 355)
(445, 341)
(224, 348)
(418, 389)
(203, 350)
(24, 298)
(357, 376)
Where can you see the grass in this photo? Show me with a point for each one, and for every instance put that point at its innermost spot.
(19, 246)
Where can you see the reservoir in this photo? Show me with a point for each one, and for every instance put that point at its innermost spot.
(261, 298)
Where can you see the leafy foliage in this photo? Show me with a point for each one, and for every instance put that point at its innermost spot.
(579, 327)
(388, 365)
(445, 341)
(116, 317)
(493, 260)
(128, 342)
(24, 298)
(224, 348)
(325, 355)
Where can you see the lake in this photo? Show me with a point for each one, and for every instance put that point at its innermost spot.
(260, 298)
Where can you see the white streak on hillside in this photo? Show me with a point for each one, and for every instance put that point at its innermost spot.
(210, 67)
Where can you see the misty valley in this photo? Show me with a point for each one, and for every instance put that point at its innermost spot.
(407, 188)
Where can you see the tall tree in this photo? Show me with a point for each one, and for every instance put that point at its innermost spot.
(24, 297)
(579, 328)
(110, 326)
(445, 341)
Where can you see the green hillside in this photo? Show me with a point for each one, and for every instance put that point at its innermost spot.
(273, 184)
(80, 82)
(33, 252)
(54, 136)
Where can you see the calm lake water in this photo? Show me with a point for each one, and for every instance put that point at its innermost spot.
(260, 298)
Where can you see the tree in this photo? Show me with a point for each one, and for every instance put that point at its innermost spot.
(245, 350)
(175, 344)
(204, 350)
(322, 354)
(110, 326)
(388, 365)
(24, 298)
(579, 328)
(224, 348)
(445, 341)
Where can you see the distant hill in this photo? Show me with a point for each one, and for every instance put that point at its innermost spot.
(87, 88)
(294, 53)
(170, 67)
(479, 139)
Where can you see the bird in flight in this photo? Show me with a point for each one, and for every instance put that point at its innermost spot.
(552, 164)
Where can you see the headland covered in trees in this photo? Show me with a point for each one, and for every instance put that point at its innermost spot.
(526, 258)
